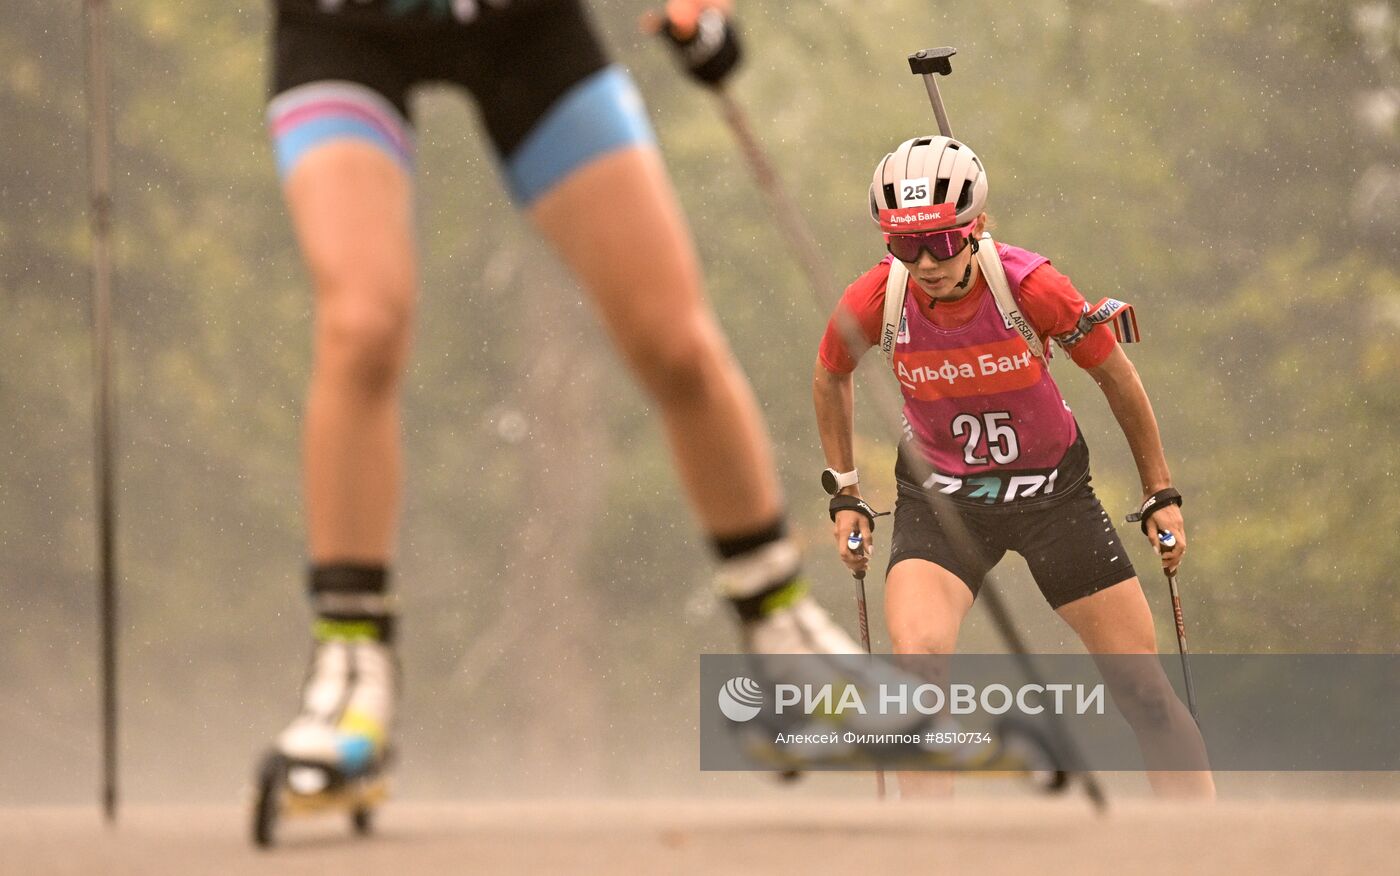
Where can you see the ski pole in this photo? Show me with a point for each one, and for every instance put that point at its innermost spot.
(856, 544)
(1020, 652)
(99, 173)
(809, 256)
(1168, 540)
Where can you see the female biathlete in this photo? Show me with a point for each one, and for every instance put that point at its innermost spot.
(996, 440)
(577, 153)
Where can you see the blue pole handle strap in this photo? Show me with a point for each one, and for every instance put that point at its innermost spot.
(1152, 504)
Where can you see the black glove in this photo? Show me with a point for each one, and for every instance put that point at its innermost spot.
(711, 52)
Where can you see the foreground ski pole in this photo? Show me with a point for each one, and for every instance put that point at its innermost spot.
(855, 543)
(1168, 541)
(1069, 749)
(99, 173)
(808, 253)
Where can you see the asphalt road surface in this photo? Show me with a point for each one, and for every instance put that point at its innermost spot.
(787, 836)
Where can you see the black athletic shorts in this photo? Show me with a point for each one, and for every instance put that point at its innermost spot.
(1067, 539)
(516, 59)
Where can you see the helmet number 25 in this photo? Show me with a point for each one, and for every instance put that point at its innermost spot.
(1001, 437)
(914, 193)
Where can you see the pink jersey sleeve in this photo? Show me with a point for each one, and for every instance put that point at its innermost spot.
(1054, 307)
(864, 300)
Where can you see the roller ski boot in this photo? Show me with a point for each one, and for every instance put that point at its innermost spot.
(803, 627)
(333, 757)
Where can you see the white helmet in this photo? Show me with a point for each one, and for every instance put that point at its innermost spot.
(928, 172)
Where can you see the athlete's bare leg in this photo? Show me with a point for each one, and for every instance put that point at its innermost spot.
(351, 206)
(925, 605)
(1117, 620)
(616, 223)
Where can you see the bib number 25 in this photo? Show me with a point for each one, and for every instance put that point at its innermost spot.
(1001, 437)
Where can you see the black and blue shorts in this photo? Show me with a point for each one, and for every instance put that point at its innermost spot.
(548, 97)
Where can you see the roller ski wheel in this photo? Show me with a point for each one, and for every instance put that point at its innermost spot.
(362, 820)
(287, 788)
(267, 803)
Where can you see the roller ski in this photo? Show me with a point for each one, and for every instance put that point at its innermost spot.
(334, 756)
(802, 627)
(290, 788)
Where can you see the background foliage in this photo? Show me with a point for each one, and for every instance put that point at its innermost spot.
(1230, 168)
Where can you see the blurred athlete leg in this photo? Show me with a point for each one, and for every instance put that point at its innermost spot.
(594, 184)
(351, 206)
(925, 605)
(618, 226)
(344, 153)
(1117, 621)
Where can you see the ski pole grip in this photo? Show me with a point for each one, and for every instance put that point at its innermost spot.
(929, 61)
(856, 545)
